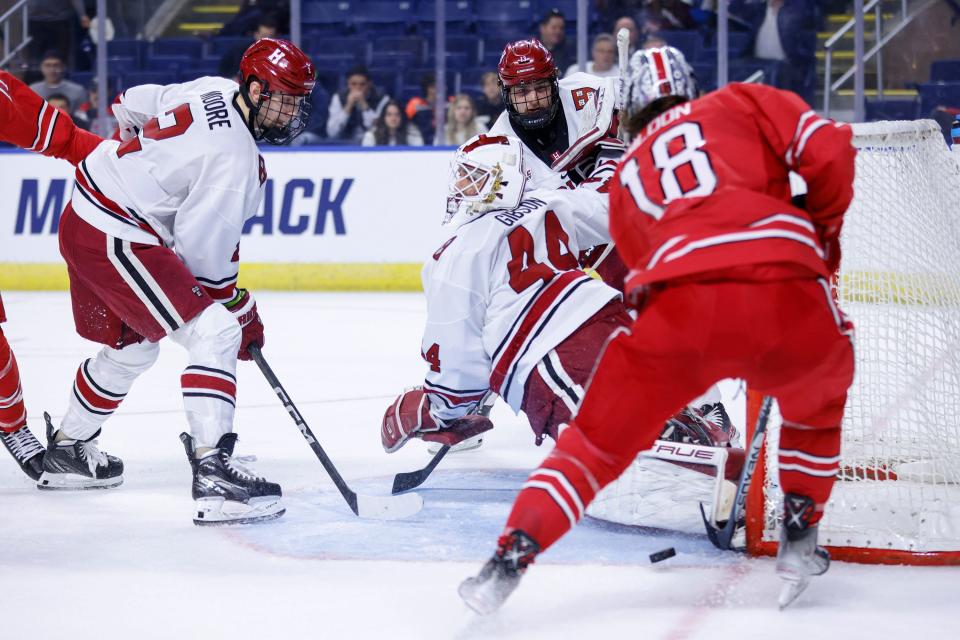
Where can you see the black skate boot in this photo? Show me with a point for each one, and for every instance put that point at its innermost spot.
(225, 492)
(798, 558)
(77, 464)
(500, 576)
(26, 450)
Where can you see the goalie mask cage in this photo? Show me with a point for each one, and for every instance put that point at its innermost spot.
(897, 496)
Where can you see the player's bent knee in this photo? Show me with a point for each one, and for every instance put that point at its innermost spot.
(137, 357)
(215, 330)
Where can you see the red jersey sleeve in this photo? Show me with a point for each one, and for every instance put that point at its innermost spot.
(29, 122)
(818, 149)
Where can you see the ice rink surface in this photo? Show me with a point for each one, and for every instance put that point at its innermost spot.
(129, 563)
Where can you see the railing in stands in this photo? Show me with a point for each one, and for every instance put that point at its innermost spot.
(881, 39)
(9, 25)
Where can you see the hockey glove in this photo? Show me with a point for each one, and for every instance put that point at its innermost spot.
(597, 121)
(409, 417)
(244, 307)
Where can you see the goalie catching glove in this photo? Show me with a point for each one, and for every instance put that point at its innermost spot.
(409, 417)
(244, 308)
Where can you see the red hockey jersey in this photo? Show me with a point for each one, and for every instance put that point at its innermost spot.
(705, 187)
(29, 122)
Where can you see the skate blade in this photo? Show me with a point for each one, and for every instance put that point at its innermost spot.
(469, 444)
(791, 591)
(480, 600)
(75, 482)
(217, 511)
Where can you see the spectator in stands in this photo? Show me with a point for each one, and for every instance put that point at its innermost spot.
(53, 69)
(392, 129)
(60, 101)
(663, 15)
(490, 105)
(603, 58)
(229, 67)
(420, 109)
(252, 12)
(462, 121)
(628, 23)
(353, 110)
(784, 31)
(553, 36)
(53, 25)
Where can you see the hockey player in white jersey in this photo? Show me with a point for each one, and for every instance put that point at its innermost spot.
(507, 307)
(151, 240)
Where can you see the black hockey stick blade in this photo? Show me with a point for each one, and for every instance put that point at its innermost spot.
(721, 537)
(377, 507)
(406, 480)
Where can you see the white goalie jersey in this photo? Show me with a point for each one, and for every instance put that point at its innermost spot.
(504, 291)
(187, 174)
(588, 103)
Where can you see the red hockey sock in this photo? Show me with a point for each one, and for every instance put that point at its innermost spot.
(13, 413)
(809, 460)
(554, 497)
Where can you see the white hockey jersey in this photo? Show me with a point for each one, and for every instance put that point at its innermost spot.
(504, 291)
(576, 93)
(187, 175)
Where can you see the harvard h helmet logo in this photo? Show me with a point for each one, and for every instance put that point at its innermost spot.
(276, 57)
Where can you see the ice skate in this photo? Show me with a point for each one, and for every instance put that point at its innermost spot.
(25, 449)
(224, 491)
(486, 592)
(77, 464)
(798, 558)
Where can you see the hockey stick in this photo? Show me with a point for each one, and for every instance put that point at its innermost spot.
(623, 51)
(407, 480)
(722, 536)
(377, 507)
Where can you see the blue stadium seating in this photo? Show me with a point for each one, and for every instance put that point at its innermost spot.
(167, 63)
(689, 42)
(326, 15)
(934, 94)
(945, 71)
(222, 44)
(318, 43)
(122, 64)
(510, 14)
(134, 78)
(126, 48)
(378, 17)
(413, 45)
(892, 109)
(458, 16)
(392, 59)
(190, 47)
(469, 46)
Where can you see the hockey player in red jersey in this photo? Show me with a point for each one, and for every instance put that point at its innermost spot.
(151, 240)
(730, 280)
(30, 122)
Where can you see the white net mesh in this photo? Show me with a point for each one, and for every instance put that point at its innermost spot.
(899, 485)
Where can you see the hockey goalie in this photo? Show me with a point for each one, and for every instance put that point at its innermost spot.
(509, 310)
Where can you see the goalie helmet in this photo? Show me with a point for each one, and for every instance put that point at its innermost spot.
(657, 73)
(527, 73)
(286, 77)
(486, 174)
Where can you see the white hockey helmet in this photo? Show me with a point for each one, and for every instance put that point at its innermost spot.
(656, 73)
(486, 174)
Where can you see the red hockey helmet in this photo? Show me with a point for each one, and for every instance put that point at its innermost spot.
(286, 77)
(528, 83)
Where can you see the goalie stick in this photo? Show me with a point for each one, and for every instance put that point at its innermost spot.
(623, 51)
(407, 480)
(721, 537)
(376, 507)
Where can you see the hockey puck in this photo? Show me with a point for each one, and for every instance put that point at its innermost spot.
(663, 554)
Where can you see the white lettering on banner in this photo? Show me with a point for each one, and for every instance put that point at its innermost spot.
(318, 206)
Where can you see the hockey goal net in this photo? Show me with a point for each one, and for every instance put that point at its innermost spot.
(897, 497)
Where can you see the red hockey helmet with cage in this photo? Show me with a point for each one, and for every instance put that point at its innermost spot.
(286, 74)
(526, 62)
